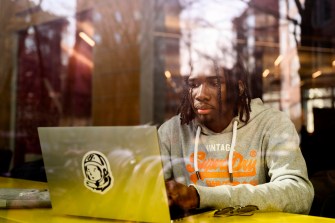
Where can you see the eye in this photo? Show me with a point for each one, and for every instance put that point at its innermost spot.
(215, 82)
(193, 83)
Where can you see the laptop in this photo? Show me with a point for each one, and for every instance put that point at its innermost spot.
(105, 172)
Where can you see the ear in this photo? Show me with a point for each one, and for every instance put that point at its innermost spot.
(240, 88)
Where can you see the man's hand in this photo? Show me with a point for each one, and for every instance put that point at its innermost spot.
(182, 196)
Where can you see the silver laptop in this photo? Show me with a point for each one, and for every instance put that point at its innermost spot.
(105, 172)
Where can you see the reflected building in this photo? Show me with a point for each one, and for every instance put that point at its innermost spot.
(171, 35)
(103, 63)
(316, 53)
(265, 39)
(122, 62)
(138, 47)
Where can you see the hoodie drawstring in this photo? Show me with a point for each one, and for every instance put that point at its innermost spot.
(197, 136)
(230, 155)
(231, 152)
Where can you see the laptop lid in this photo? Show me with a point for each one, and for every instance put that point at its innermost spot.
(105, 172)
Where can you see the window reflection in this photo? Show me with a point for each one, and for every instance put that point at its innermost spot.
(54, 80)
(122, 62)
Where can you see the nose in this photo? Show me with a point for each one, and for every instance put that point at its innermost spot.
(202, 92)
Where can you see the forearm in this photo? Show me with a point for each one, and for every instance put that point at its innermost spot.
(288, 195)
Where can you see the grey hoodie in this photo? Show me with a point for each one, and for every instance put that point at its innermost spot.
(268, 169)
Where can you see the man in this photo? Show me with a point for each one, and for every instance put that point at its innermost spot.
(224, 149)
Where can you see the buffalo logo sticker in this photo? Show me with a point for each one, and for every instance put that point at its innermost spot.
(97, 173)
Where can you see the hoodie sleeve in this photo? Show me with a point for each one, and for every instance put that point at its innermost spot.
(164, 133)
(288, 188)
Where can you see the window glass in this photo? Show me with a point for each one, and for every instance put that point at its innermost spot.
(123, 62)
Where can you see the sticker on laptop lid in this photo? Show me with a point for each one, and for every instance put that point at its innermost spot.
(97, 174)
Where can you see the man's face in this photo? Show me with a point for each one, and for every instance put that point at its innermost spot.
(204, 95)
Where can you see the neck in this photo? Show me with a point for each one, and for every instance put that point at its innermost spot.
(218, 127)
(219, 124)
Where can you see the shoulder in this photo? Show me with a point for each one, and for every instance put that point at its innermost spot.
(169, 130)
(269, 117)
(170, 124)
(174, 128)
(259, 109)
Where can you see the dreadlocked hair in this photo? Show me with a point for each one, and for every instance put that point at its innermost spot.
(185, 109)
(240, 99)
(238, 96)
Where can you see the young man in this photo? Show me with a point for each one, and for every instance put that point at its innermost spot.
(224, 149)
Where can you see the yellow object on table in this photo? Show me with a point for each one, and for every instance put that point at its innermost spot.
(45, 215)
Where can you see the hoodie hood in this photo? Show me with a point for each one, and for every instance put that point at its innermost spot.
(257, 107)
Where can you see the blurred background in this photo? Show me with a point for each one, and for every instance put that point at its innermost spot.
(122, 62)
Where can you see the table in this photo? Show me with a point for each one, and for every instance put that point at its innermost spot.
(45, 215)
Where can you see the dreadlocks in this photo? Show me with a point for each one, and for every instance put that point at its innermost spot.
(239, 98)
